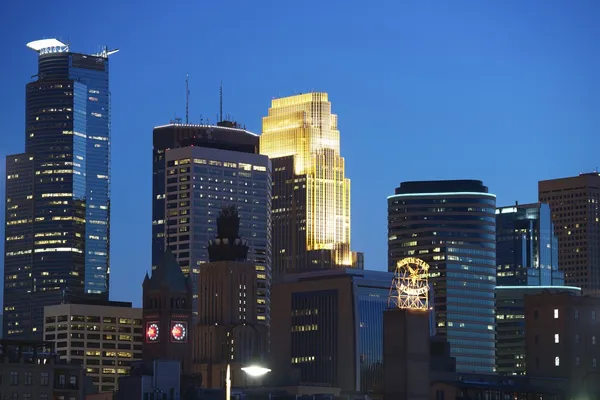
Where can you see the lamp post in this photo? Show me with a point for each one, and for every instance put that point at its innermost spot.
(253, 370)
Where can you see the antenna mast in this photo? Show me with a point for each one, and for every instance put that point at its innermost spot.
(221, 102)
(187, 100)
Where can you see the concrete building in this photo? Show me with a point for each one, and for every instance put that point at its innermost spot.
(334, 336)
(104, 339)
(32, 371)
(511, 349)
(228, 328)
(451, 225)
(575, 206)
(563, 340)
(197, 170)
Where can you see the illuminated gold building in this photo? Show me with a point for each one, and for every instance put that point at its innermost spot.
(311, 195)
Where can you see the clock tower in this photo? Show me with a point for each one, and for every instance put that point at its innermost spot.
(167, 313)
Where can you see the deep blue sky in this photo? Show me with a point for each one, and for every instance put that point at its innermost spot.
(503, 91)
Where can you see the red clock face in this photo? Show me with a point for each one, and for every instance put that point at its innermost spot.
(152, 332)
(179, 331)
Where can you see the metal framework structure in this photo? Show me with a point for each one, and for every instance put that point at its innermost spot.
(410, 286)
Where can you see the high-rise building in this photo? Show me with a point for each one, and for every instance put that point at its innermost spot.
(104, 338)
(311, 194)
(57, 191)
(526, 247)
(198, 170)
(334, 336)
(227, 328)
(575, 207)
(451, 226)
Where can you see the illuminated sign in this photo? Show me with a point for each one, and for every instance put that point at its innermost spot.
(410, 287)
(179, 331)
(152, 332)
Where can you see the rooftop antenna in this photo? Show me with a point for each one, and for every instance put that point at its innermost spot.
(221, 102)
(187, 100)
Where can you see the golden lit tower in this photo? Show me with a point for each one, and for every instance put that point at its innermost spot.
(311, 195)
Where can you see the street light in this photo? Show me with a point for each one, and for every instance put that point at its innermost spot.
(253, 369)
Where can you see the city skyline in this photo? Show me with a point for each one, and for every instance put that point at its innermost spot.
(543, 103)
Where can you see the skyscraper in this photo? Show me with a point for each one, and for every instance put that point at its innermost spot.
(575, 207)
(311, 195)
(57, 192)
(526, 247)
(451, 226)
(198, 170)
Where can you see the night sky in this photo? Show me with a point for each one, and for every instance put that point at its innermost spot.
(507, 92)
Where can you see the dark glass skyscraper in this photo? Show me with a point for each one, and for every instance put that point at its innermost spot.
(526, 247)
(57, 192)
(451, 225)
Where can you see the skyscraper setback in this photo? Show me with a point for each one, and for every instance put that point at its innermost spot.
(575, 207)
(57, 191)
(311, 195)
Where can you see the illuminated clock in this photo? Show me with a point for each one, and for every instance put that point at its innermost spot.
(179, 331)
(152, 332)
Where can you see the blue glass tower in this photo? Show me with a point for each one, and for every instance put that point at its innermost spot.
(526, 247)
(451, 226)
(57, 192)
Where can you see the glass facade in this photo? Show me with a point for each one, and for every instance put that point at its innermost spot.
(198, 170)
(372, 302)
(311, 192)
(451, 226)
(526, 247)
(58, 207)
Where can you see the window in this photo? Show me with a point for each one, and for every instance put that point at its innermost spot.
(14, 378)
(556, 361)
(556, 313)
(576, 339)
(576, 314)
(44, 379)
(556, 338)
(27, 396)
(593, 314)
(28, 377)
(577, 361)
(593, 363)
(61, 380)
(593, 339)
(73, 381)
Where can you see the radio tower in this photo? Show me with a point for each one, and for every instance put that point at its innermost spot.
(187, 100)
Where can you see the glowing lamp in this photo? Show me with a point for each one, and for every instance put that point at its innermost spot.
(256, 370)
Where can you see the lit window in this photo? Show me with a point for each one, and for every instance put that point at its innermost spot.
(556, 338)
(556, 313)
(556, 361)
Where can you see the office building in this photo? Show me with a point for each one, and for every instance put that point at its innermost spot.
(335, 334)
(198, 169)
(157, 380)
(31, 370)
(104, 339)
(311, 194)
(511, 351)
(451, 226)
(57, 191)
(167, 313)
(563, 341)
(526, 247)
(575, 207)
(228, 328)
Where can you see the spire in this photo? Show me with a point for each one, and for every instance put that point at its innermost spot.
(228, 246)
(168, 273)
(221, 102)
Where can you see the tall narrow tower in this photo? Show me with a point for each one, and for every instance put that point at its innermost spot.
(311, 229)
(58, 190)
